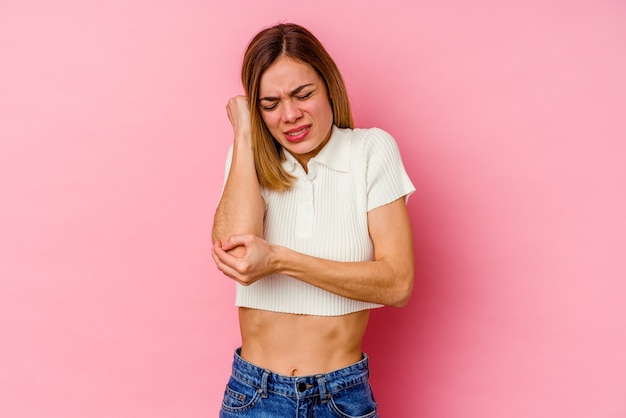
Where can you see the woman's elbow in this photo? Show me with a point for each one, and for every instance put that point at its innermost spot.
(217, 234)
(403, 290)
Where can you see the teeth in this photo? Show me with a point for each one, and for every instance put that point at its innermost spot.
(296, 133)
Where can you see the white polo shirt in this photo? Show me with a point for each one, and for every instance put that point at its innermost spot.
(325, 215)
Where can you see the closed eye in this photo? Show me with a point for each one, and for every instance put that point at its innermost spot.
(270, 107)
(304, 96)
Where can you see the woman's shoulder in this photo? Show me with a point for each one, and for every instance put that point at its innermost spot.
(367, 136)
(370, 140)
(364, 132)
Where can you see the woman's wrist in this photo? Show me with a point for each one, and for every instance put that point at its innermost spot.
(243, 141)
(277, 258)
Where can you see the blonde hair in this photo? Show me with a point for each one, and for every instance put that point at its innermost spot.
(293, 41)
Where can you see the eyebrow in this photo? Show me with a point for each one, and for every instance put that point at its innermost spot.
(291, 94)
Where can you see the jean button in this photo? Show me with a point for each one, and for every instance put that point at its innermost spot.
(301, 387)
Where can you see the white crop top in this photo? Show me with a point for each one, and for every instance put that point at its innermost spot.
(325, 215)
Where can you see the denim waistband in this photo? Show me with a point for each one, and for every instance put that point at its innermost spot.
(321, 385)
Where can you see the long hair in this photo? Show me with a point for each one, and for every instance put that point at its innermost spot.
(295, 42)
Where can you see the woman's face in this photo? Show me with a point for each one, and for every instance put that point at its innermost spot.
(294, 104)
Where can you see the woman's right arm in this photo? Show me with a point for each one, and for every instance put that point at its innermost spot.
(241, 207)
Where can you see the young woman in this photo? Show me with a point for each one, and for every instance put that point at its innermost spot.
(312, 225)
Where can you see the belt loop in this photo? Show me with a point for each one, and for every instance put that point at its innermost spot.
(264, 391)
(321, 384)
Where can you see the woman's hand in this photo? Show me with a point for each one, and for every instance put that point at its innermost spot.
(254, 260)
(239, 116)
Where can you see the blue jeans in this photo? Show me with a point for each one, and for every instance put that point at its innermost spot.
(259, 393)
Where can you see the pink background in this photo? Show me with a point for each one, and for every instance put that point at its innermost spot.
(511, 120)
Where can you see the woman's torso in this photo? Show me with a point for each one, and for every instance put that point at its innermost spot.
(324, 215)
(300, 345)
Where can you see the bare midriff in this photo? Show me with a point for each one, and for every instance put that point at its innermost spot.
(301, 345)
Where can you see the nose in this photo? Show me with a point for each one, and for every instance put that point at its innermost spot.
(291, 112)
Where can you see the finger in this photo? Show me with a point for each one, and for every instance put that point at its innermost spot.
(236, 241)
(227, 270)
(235, 263)
(223, 256)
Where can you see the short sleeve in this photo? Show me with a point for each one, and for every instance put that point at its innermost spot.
(387, 179)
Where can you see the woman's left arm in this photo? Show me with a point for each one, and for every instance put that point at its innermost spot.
(387, 280)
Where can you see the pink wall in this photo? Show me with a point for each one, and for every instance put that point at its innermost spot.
(510, 117)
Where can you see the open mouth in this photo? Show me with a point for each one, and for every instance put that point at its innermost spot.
(297, 134)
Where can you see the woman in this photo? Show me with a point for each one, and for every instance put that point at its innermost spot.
(312, 225)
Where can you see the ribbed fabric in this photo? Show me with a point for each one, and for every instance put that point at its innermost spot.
(325, 215)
